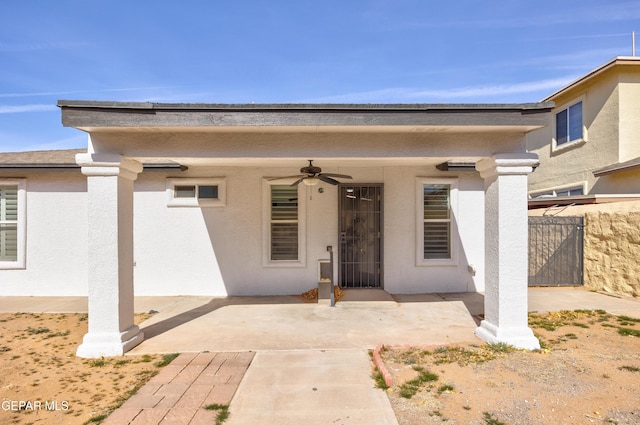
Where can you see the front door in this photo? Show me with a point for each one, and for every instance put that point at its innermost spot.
(360, 227)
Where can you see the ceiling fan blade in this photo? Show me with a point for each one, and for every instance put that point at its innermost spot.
(340, 176)
(297, 182)
(297, 176)
(326, 179)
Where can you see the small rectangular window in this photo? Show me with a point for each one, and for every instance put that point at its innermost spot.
(569, 124)
(207, 192)
(185, 192)
(196, 192)
(574, 191)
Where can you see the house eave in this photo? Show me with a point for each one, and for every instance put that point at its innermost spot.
(617, 61)
(620, 167)
(94, 116)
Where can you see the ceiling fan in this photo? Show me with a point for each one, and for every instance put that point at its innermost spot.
(311, 175)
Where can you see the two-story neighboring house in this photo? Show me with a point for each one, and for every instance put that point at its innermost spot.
(590, 152)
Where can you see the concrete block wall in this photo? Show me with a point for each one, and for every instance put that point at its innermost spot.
(611, 252)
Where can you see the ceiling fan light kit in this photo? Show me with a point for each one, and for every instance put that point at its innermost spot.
(312, 181)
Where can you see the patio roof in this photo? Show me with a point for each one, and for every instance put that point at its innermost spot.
(93, 115)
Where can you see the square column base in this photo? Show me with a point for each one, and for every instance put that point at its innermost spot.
(518, 337)
(96, 345)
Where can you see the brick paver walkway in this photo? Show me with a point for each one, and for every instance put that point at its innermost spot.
(179, 393)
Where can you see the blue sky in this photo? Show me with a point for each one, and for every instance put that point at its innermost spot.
(292, 51)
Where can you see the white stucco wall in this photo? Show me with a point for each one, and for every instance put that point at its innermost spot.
(56, 247)
(401, 273)
(219, 250)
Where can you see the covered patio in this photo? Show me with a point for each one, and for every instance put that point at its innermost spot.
(467, 163)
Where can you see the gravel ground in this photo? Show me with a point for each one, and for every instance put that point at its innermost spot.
(588, 372)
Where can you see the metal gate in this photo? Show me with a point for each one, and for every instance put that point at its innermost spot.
(556, 251)
(360, 227)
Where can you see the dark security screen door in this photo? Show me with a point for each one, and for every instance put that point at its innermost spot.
(360, 227)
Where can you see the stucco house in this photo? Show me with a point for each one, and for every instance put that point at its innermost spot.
(590, 150)
(220, 199)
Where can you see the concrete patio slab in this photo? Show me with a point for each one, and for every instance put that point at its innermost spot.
(310, 387)
(287, 323)
(575, 298)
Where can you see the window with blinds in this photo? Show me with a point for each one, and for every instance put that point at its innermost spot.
(436, 221)
(284, 223)
(8, 223)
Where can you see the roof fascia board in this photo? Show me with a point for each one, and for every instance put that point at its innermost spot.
(81, 114)
(618, 168)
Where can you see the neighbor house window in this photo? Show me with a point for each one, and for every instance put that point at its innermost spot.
(196, 192)
(12, 223)
(284, 233)
(574, 191)
(569, 124)
(436, 225)
(565, 191)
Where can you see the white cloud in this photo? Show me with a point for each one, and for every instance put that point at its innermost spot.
(496, 90)
(17, 142)
(79, 141)
(14, 109)
(410, 95)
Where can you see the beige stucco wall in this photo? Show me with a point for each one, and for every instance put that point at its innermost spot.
(629, 114)
(573, 164)
(611, 245)
(627, 182)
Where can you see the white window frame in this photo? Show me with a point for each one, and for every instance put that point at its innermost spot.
(454, 237)
(553, 192)
(266, 225)
(555, 147)
(173, 201)
(20, 262)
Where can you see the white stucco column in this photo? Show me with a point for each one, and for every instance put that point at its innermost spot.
(110, 261)
(506, 248)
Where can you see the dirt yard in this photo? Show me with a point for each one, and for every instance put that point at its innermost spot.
(588, 372)
(43, 382)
